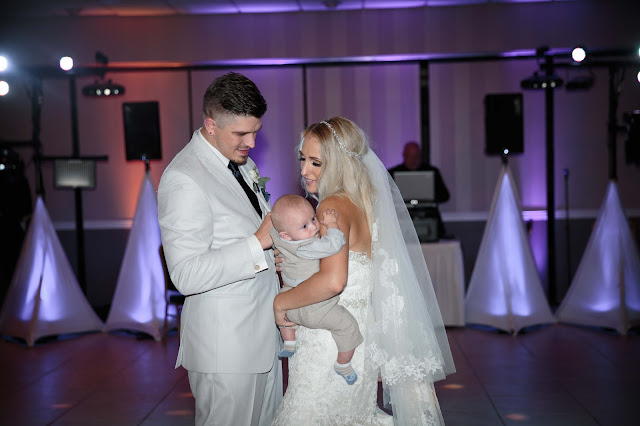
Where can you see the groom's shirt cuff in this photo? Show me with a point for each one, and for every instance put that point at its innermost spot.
(257, 255)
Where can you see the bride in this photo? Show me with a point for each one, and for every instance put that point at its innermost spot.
(382, 279)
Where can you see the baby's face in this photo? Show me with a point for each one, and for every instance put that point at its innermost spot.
(303, 224)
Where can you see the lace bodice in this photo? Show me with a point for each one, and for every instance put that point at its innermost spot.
(316, 395)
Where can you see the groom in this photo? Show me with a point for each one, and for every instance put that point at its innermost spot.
(215, 234)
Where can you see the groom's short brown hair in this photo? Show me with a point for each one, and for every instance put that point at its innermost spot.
(234, 94)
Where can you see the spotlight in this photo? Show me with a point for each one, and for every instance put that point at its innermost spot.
(638, 76)
(4, 63)
(66, 63)
(584, 82)
(536, 82)
(4, 88)
(103, 89)
(578, 54)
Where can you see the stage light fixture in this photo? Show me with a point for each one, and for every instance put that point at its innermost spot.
(4, 88)
(578, 54)
(536, 82)
(4, 63)
(66, 63)
(638, 76)
(103, 89)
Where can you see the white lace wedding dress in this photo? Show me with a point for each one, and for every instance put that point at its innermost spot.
(316, 395)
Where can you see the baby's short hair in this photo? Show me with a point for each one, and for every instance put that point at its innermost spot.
(282, 206)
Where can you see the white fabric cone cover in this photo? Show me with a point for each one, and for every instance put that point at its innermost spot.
(605, 291)
(44, 297)
(505, 290)
(139, 299)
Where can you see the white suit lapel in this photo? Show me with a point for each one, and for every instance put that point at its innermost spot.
(224, 176)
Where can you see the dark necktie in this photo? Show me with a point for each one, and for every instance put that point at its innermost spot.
(252, 196)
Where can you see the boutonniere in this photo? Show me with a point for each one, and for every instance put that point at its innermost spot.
(259, 182)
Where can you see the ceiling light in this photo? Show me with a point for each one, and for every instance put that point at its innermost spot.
(578, 54)
(66, 63)
(4, 88)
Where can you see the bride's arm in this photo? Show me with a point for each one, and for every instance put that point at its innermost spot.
(332, 277)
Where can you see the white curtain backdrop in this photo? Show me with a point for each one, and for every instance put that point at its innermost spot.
(605, 291)
(505, 290)
(139, 299)
(44, 298)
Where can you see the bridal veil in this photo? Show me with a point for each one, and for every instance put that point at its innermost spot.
(408, 341)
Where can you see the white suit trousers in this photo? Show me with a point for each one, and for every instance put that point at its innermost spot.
(236, 399)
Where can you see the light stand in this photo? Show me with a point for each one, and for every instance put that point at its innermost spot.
(612, 125)
(551, 215)
(565, 173)
(548, 82)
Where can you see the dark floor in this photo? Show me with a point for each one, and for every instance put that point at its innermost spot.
(554, 375)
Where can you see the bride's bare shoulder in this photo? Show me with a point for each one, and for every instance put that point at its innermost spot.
(340, 203)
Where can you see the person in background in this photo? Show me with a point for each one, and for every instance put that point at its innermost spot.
(412, 161)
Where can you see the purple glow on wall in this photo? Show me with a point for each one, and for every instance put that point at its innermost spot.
(211, 9)
(394, 4)
(400, 57)
(269, 7)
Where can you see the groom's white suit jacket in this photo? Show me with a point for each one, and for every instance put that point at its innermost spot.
(207, 224)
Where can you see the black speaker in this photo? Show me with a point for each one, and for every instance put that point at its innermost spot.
(142, 130)
(503, 124)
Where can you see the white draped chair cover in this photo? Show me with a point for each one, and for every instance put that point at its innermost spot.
(139, 300)
(605, 291)
(505, 291)
(44, 297)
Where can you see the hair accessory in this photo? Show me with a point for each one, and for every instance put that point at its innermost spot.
(335, 134)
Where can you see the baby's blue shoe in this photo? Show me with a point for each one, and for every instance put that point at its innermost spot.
(349, 378)
(286, 353)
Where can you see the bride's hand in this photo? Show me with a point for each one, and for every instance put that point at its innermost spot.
(280, 315)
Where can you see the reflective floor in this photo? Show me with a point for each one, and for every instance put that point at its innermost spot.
(553, 375)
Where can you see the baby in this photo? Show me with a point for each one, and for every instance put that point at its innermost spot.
(295, 233)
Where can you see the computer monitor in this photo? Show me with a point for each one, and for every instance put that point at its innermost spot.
(416, 187)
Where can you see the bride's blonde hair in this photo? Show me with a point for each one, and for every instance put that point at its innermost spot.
(342, 146)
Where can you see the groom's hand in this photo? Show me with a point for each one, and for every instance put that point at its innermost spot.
(262, 234)
(278, 258)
